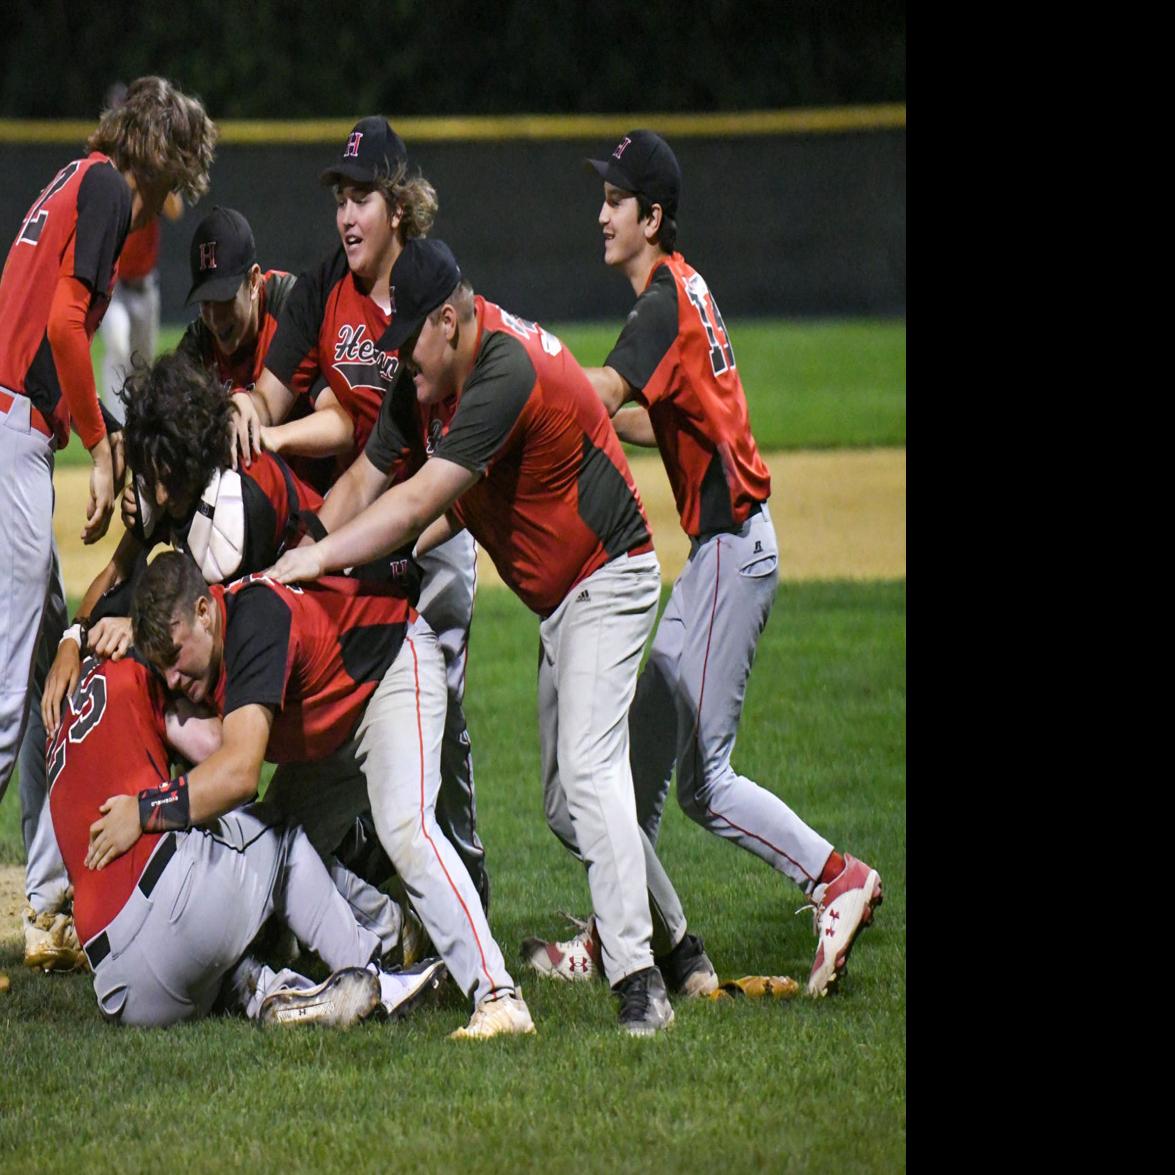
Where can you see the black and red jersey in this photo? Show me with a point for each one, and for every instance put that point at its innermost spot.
(140, 252)
(556, 499)
(331, 328)
(76, 229)
(111, 742)
(313, 653)
(676, 354)
(243, 368)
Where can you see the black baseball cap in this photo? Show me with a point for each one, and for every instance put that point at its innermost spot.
(221, 253)
(425, 274)
(372, 152)
(643, 163)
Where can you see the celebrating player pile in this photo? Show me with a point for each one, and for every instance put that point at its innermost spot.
(326, 632)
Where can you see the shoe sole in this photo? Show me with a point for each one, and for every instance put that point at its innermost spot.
(864, 919)
(352, 997)
(644, 1030)
(423, 995)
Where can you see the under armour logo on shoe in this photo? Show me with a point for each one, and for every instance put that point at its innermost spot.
(207, 255)
(351, 151)
(758, 547)
(582, 597)
(581, 963)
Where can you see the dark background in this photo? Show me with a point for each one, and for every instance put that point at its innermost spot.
(797, 224)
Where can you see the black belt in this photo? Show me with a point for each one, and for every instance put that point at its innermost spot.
(99, 947)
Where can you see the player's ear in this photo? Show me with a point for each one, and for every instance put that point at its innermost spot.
(652, 222)
(254, 280)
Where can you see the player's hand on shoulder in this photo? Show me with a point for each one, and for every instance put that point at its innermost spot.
(298, 565)
(110, 637)
(61, 682)
(246, 427)
(114, 832)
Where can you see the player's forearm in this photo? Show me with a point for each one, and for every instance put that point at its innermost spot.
(271, 397)
(361, 485)
(610, 386)
(633, 426)
(224, 781)
(433, 535)
(70, 346)
(321, 434)
(393, 519)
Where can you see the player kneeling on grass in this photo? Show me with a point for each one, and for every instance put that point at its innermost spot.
(167, 910)
(340, 683)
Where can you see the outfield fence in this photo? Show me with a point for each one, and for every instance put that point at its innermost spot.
(786, 212)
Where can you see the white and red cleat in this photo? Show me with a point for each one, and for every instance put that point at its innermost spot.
(576, 959)
(843, 907)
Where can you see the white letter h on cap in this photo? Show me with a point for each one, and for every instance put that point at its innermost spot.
(208, 255)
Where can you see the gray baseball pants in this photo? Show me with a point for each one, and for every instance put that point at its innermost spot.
(446, 602)
(392, 765)
(590, 652)
(690, 698)
(26, 559)
(167, 952)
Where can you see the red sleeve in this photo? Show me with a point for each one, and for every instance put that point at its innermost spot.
(70, 345)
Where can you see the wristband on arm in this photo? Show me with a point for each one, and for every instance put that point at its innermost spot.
(165, 808)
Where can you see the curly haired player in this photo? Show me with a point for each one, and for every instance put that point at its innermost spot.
(54, 290)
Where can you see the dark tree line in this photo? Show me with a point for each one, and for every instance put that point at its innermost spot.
(316, 59)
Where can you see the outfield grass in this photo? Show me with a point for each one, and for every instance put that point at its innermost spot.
(810, 385)
(793, 1086)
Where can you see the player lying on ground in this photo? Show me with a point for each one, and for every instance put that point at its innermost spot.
(335, 327)
(54, 291)
(342, 685)
(167, 918)
(528, 454)
(674, 360)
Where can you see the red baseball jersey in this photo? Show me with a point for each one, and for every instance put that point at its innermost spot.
(313, 653)
(140, 252)
(110, 743)
(241, 369)
(330, 328)
(75, 229)
(555, 499)
(676, 354)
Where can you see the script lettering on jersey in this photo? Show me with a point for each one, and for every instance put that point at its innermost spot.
(361, 363)
(34, 223)
(721, 352)
(527, 330)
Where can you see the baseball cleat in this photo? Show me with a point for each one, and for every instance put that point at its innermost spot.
(841, 910)
(403, 992)
(687, 968)
(51, 942)
(576, 959)
(498, 1015)
(644, 1003)
(342, 999)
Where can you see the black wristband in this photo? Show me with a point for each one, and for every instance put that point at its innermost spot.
(165, 808)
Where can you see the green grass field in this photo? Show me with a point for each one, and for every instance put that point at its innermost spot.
(791, 1086)
(785, 1086)
(810, 385)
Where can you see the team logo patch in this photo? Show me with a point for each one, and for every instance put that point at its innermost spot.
(207, 255)
(351, 151)
(361, 363)
(620, 147)
(435, 432)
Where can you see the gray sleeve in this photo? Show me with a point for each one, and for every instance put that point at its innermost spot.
(649, 332)
(491, 403)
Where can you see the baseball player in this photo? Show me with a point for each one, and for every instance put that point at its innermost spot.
(178, 442)
(342, 685)
(240, 305)
(55, 287)
(528, 462)
(335, 326)
(674, 360)
(168, 923)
